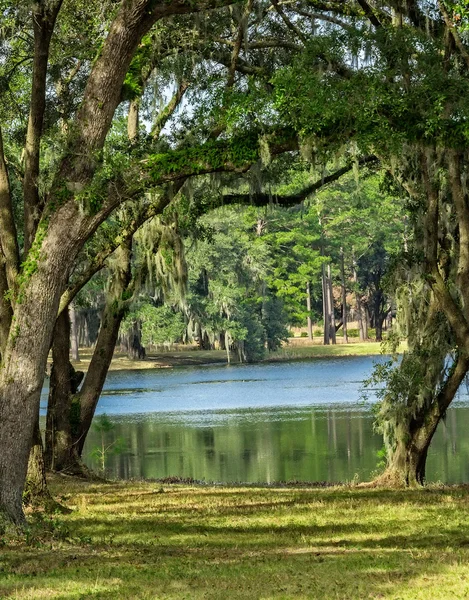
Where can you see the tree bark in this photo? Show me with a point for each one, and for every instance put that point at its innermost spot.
(133, 121)
(114, 312)
(344, 296)
(64, 229)
(361, 328)
(330, 296)
(74, 333)
(36, 491)
(61, 453)
(308, 308)
(26, 352)
(44, 15)
(8, 236)
(133, 343)
(6, 312)
(407, 461)
(325, 306)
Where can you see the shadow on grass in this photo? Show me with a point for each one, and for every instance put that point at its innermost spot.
(250, 549)
(175, 572)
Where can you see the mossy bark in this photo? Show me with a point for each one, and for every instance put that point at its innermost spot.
(61, 453)
(114, 312)
(407, 459)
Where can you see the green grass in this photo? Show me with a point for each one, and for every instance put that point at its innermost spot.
(298, 349)
(316, 350)
(145, 540)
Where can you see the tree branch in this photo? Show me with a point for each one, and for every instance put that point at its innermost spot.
(369, 13)
(448, 304)
(322, 17)
(44, 17)
(237, 43)
(8, 237)
(454, 32)
(288, 22)
(169, 109)
(103, 90)
(98, 262)
(292, 199)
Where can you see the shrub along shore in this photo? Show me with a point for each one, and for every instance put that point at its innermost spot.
(157, 540)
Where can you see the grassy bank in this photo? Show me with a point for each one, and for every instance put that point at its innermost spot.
(297, 349)
(149, 540)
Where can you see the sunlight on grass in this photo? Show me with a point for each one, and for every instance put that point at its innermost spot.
(144, 540)
(298, 349)
(314, 350)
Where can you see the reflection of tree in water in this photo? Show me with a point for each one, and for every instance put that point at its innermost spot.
(312, 445)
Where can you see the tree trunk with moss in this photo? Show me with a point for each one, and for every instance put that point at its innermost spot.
(35, 491)
(114, 312)
(407, 459)
(61, 454)
(70, 413)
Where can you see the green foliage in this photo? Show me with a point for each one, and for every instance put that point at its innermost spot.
(295, 241)
(159, 324)
(211, 156)
(104, 426)
(137, 74)
(408, 104)
(228, 285)
(407, 388)
(459, 13)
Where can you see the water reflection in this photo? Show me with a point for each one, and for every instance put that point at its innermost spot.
(308, 444)
(258, 423)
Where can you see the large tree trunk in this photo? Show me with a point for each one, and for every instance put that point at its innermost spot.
(61, 453)
(135, 350)
(379, 324)
(21, 381)
(24, 363)
(64, 228)
(114, 312)
(36, 491)
(407, 460)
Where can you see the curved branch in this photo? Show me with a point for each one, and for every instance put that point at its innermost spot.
(237, 44)
(98, 262)
(292, 199)
(291, 26)
(323, 17)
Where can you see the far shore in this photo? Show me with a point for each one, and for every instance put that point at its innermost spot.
(191, 356)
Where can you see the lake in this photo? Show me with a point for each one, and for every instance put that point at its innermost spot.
(297, 421)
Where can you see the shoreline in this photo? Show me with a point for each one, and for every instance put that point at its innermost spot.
(201, 358)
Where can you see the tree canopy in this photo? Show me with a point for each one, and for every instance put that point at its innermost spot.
(110, 113)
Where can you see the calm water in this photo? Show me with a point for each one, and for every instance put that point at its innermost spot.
(290, 421)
